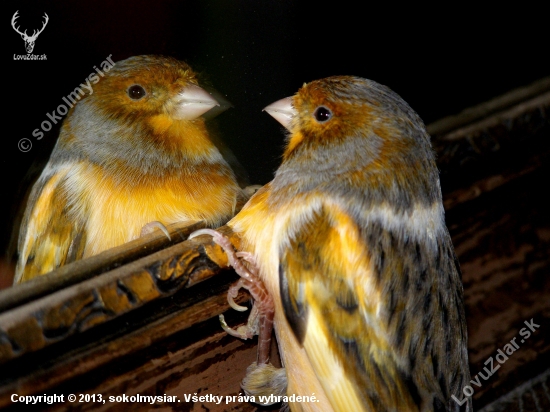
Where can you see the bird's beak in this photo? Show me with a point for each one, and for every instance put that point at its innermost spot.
(193, 101)
(223, 103)
(282, 111)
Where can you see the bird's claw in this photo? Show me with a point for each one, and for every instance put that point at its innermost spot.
(242, 332)
(232, 294)
(151, 226)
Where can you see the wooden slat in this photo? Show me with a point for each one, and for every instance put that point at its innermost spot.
(452, 125)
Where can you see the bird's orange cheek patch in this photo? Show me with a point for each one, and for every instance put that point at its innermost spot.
(297, 138)
(189, 136)
(160, 123)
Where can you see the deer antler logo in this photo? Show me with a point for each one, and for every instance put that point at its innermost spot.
(29, 40)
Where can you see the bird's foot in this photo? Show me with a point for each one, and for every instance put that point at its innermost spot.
(260, 321)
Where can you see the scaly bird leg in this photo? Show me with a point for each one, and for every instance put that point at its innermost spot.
(260, 321)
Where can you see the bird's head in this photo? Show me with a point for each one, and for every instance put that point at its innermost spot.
(334, 109)
(153, 86)
(358, 129)
(144, 110)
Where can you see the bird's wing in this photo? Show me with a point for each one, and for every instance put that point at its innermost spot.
(331, 299)
(50, 235)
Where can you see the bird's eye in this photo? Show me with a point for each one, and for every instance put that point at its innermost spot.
(136, 92)
(322, 114)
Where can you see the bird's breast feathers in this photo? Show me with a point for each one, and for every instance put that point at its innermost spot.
(167, 199)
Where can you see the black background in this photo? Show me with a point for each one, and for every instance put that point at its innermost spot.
(440, 59)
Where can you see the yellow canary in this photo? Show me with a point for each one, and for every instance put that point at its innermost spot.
(349, 240)
(133, 151)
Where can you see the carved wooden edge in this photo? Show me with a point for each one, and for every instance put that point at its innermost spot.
(42, 322)
(81, 270)
(147, 340)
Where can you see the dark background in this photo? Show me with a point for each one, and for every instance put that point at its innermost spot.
(439, 59)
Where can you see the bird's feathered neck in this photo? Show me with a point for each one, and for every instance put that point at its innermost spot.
(131, 149)
(359, 166)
